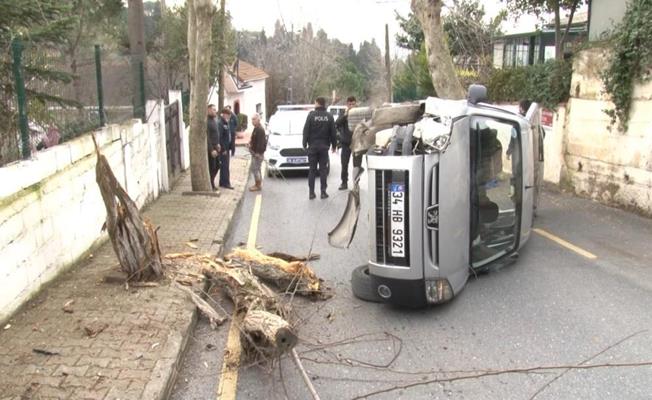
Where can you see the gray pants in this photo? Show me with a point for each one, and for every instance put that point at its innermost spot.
(256, 164)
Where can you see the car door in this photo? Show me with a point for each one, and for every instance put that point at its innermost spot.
(531, 146)
(533, 116)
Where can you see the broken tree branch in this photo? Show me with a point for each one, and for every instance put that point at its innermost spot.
(294, 276)
(214, 318)
(304, 374)
(503, 372)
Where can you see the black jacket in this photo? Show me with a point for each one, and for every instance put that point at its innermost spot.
(319, 130)
(213, 134)
(258, 141)
(225, 134)
(342, 125)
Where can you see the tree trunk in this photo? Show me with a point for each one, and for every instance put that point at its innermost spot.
(388, 70)
(200, 17)
(440, 63)
(220, 66)
(136, 29)
(295, 276)
(265, 329)
(559, 49)
(269, 330)
(134, 240)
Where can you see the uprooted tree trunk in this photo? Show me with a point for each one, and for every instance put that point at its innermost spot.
(440, 63)
(264, 318)
(265, 327)
(134, 239)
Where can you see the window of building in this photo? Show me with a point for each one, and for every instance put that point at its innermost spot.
(499, 49)
(521, 56)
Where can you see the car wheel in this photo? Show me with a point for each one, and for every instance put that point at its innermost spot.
(361, 285)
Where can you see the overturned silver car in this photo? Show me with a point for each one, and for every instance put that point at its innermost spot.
(453, 188)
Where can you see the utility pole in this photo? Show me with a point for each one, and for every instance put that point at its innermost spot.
(136, 27)
(166, 72)
(220, 57)
(388, 69)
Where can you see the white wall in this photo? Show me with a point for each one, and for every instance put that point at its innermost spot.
(591, 157)
(604, 15)
(51, 208)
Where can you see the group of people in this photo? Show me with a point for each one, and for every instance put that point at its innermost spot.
(221, 132)
(319, 134)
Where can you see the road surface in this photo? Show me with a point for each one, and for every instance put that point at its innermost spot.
(579, 296)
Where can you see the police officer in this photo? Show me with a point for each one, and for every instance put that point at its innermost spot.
(342, 124)
(318, 136)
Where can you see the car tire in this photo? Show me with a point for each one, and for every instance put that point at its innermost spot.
(361, 285)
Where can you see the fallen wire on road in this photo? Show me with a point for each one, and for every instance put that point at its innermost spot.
(626, 338)
(502, 372)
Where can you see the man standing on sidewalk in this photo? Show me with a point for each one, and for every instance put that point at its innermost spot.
(257, 146)
(225, 147)
(318, 136)
(233, 128)
(342, 125)
(213, 137)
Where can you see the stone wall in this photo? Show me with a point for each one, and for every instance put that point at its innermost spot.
(594, 159)
(51, 210)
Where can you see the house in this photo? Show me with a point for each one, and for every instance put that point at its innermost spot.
(528, 48)
(244, 90)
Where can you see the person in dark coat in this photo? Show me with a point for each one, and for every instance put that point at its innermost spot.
(342, 125)
(213, 143)
(257, 146)
(233, 127)
(225, 145)
(318, 136)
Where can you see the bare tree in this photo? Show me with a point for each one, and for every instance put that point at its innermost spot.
(200, 18)
(440, 63)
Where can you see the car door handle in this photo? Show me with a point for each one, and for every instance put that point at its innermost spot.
(529, 187)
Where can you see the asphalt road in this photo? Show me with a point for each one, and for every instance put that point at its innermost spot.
(508, 335)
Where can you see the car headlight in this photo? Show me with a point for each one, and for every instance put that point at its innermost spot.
(274, 147)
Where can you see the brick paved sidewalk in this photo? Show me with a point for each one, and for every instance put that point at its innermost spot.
(136, 355)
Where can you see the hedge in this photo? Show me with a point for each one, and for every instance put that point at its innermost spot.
(547, 83)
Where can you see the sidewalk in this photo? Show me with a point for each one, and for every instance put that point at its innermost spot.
(111, 343)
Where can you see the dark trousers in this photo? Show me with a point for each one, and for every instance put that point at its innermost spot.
(318, 157)
(213, 167)
(225, 178)
(345, 156)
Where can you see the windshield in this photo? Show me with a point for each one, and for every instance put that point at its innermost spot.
(496, 182)
(288, 122)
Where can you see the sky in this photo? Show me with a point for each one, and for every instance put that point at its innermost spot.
(350, 21)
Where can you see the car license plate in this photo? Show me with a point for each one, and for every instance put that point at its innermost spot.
(298, 160)
(397, 216)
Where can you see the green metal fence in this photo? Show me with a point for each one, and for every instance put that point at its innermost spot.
(55, 95)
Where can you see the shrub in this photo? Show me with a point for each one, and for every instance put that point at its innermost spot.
(547, 83)
(243, 121)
